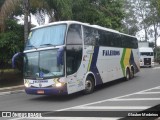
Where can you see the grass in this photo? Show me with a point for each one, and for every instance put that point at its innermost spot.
(10, 77)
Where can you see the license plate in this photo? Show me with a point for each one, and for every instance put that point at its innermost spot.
(40, 91)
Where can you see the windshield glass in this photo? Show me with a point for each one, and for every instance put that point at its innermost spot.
(51, 35)
(43, 64)
(146, 53)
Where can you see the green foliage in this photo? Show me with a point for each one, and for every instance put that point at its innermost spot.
(11, 42)
(102, 12)
(1, 3)
(158, 4)
(130, 22)
(107, 13)
(59, 9)
(158, 54)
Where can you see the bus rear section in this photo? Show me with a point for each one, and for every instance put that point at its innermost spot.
(146, 57)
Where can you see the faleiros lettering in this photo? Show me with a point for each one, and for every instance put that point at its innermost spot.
(111, 52)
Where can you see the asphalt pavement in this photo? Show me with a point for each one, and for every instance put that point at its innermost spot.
(115, 99)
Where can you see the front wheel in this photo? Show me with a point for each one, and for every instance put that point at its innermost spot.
(89, 85)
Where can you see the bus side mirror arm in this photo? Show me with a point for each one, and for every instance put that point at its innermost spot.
(17, 58)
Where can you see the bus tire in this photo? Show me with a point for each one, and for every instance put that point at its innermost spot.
(132, 73)
(127, 77)
(89, 85)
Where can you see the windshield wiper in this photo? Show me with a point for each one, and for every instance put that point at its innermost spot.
(43, 45)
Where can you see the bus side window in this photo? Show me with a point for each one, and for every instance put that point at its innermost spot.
(104, 38)
(90, 35)
(73, 48)
(74, 34)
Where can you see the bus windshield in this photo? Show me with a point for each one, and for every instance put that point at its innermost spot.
(43, 64)
(52, 35)
(146, 53)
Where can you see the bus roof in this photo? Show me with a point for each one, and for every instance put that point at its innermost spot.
(145, 49)
(86, 24)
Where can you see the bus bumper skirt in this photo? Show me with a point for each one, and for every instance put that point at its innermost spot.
(47, 91)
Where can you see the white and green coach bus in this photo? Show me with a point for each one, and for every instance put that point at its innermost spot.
(68, 56)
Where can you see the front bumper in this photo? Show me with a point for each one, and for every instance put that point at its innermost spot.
(47, 91)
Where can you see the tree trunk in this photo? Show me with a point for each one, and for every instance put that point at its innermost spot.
(155, 37)
(26, 14)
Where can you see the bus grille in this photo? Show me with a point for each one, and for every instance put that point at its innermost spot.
(147, 61)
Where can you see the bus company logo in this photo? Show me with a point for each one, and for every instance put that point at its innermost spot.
(41, 74)
(111, 52)
(40, 85)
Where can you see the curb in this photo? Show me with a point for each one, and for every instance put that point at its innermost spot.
(13, 87)
(12, 90)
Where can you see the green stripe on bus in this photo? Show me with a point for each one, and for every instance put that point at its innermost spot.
(122, 61)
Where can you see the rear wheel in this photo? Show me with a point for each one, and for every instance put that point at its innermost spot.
(132, 72)
(127, 77)
(89, 85)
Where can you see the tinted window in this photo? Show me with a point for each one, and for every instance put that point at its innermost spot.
(94, 36)
(129, 42)
(105, 38)
(74, 57)
(146, 53)
(90, 35)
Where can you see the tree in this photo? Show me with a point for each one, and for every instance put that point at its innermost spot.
(11, 41)
(158, 4)
(153, 21)
(7, 8)
(130, 22)
(26, 15)
(101, 12)
(158, 54)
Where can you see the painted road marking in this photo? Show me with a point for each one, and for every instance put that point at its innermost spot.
(149, 93)
(101, 101)
(156, 68)
(113, 107)
(105, 100)
(136, 99)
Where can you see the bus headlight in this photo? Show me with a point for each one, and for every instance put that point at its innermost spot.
(27, 84)
(58, 84)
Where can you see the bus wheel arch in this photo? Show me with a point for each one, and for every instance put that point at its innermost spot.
(89, 84)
